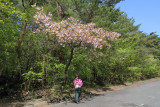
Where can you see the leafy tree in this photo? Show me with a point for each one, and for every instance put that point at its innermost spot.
(152, 42)
(9, 31)
(73, 33)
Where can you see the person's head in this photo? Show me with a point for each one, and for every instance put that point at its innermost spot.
(77, 76)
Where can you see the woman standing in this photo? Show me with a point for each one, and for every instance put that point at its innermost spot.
(77, 84)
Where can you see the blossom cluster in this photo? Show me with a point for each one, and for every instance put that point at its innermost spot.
(72, 31)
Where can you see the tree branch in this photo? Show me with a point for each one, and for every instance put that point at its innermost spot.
(70, 59)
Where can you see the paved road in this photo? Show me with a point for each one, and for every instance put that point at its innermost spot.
(142, 95)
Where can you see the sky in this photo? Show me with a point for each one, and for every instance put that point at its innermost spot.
(144, 12)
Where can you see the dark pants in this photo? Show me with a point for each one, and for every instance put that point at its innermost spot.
(77, 94)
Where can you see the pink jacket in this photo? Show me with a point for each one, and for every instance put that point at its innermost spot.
(78, 81)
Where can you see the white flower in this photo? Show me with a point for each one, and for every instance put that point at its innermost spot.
(33, 5)
(38, 8)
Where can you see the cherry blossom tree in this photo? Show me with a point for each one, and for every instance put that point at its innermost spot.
(73, 33)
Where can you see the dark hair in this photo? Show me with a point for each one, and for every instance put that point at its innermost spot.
(77, 76)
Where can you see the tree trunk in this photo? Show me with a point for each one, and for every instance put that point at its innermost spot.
(43, 79)
(60, 11)
(68, 64)
(18, 50)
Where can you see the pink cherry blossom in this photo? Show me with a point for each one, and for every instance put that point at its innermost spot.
(72, 31)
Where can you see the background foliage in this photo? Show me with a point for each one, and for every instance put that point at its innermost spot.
(30, 61)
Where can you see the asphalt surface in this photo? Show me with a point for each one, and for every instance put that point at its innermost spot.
(142, 95)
